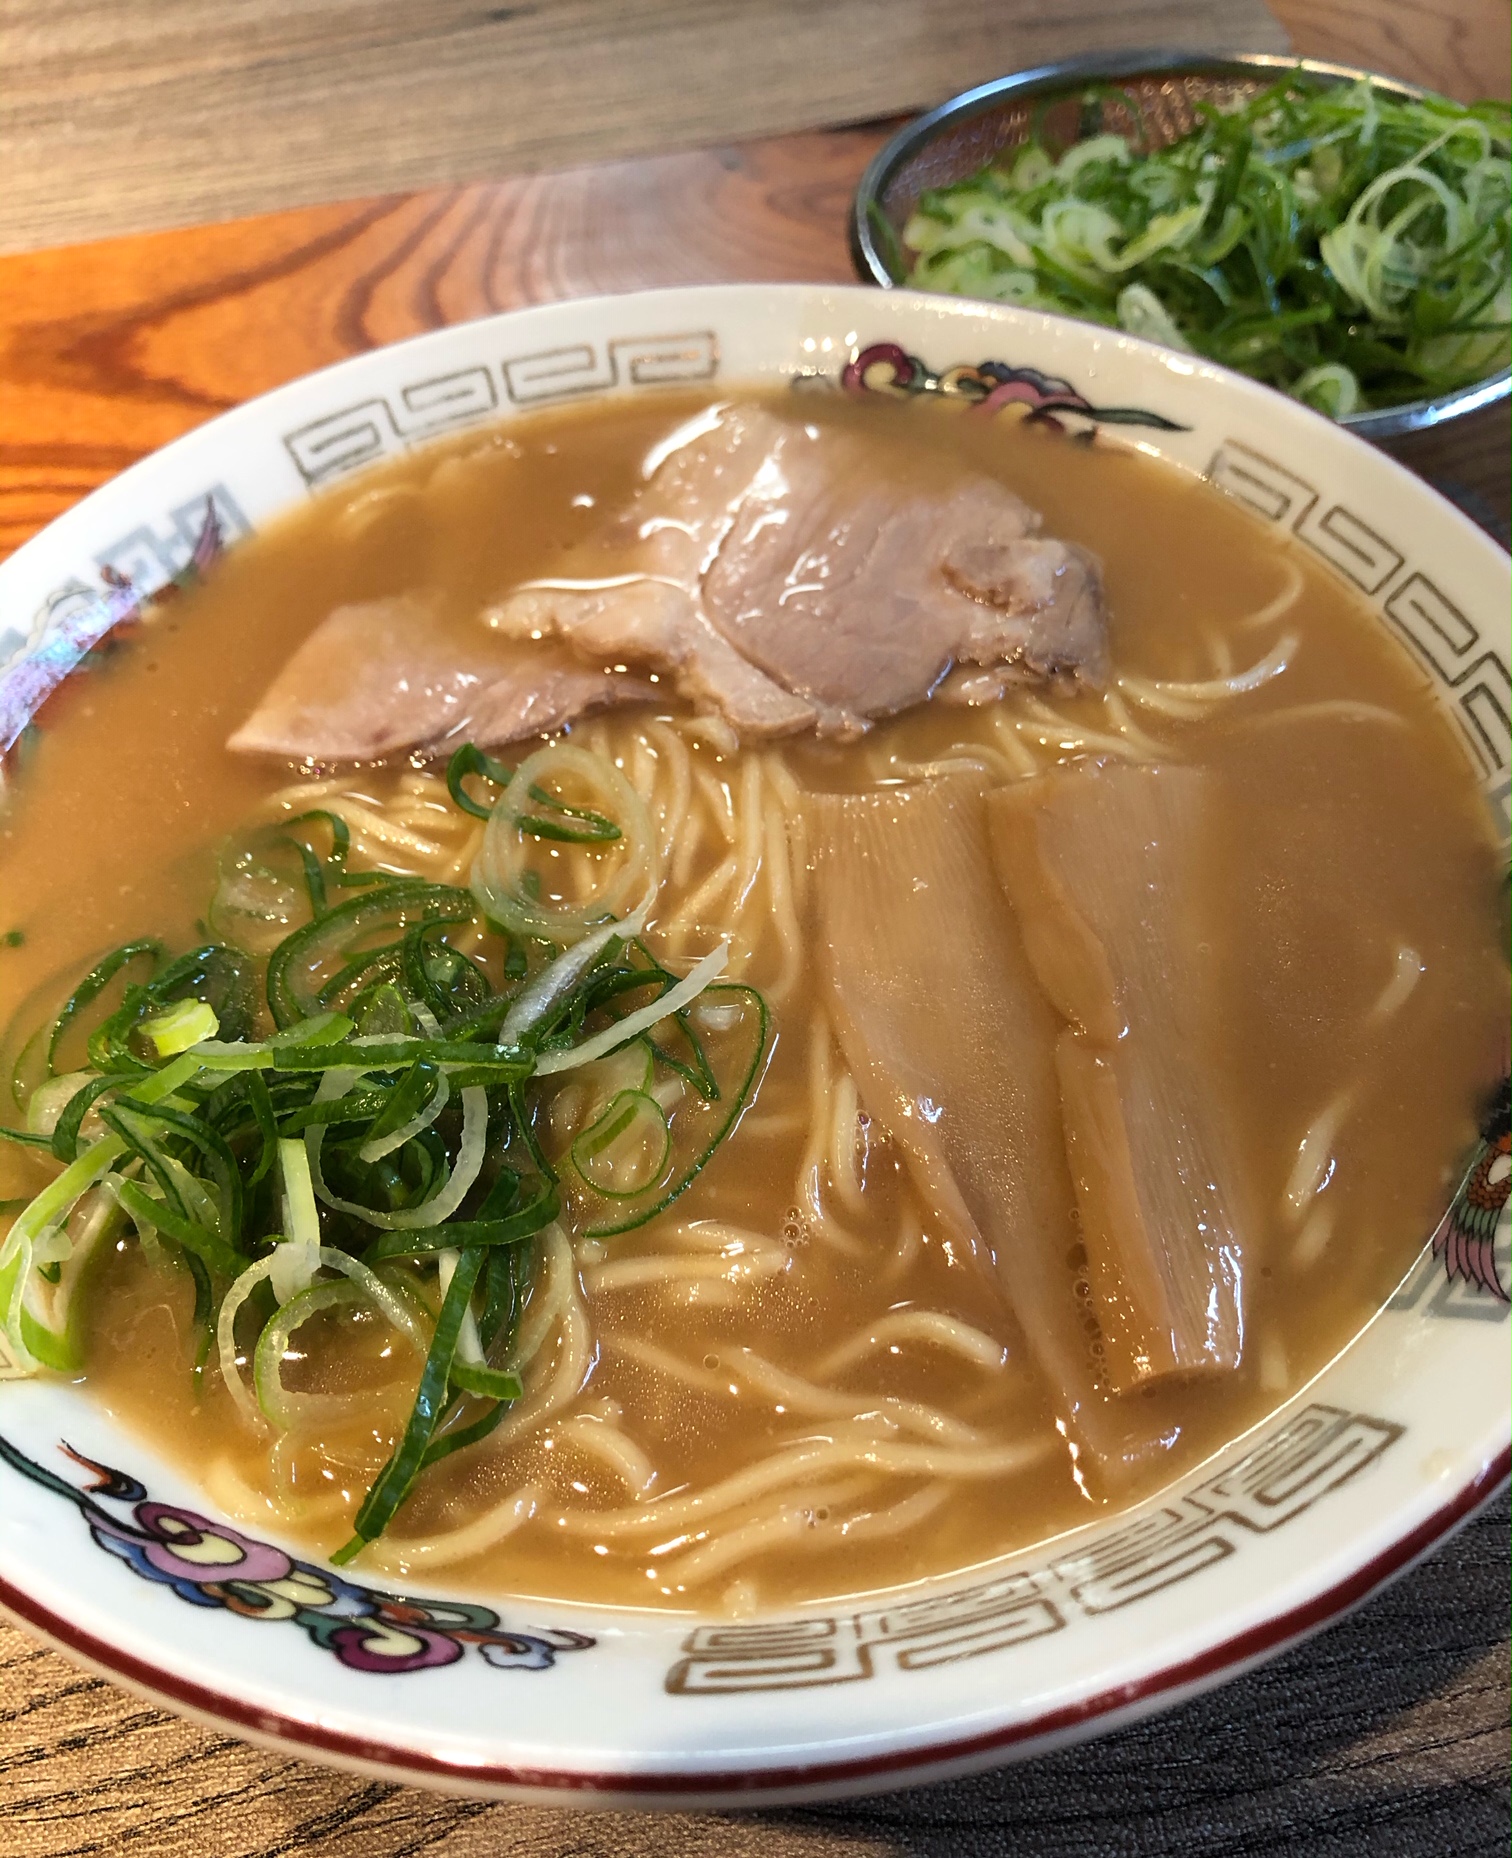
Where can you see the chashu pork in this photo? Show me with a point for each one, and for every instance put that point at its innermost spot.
(801, 582)
(788, 577)
(383, 679)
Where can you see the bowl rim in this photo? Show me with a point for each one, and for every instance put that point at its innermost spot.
(1087, 1717)
(905, 1759)
(871, 264)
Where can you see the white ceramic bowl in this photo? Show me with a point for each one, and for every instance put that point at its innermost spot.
(1397, 1441)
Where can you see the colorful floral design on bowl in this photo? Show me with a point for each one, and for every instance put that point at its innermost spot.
(209, 1563)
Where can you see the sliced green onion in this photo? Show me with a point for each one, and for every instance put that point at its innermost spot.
(296, 1257)
(500, 872)
(1142, 313)
(50, 1318)
(557, 979)
(225, 1335)
(68, 1130)
(281, 1408)
(469, 1345)
(487, 1383)
(641, 1020)
(53, 1203)
(145, 1209)
(92, 985)
(394, 1482)
(388, 1301)
(184, 1023)
(573, 825)
(471, 760)
(441, 1205)
(502, 1231)
(625, 1151)
(631, 1068)
(292, 988)
(214, 970)
(364, 1121)
(23, 1138)
(424, 1084)
(383, 1297)
(1351, 247)
(49, 1100)
(1331, 388)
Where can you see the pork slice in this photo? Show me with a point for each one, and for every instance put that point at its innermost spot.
(859, 587)
(952, 1043)
(794, 577)
(1104, 867)
(382, 679)
(1044, 611)
(785, 575)
(658, 626)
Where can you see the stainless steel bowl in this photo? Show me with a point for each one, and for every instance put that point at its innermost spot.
(962, 136)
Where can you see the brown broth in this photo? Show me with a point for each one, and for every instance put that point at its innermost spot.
(111, 829)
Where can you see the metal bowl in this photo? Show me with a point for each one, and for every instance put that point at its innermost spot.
(962, 136)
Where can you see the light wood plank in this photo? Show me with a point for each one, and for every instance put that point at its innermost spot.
(119, 116)
(1462, 48)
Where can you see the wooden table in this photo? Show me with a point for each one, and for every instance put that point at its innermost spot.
(1386, 1736)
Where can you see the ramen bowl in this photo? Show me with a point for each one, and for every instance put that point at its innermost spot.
(120, 1558)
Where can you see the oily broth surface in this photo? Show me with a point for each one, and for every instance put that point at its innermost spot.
(110, 833)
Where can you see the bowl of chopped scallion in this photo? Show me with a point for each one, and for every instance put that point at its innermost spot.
(1343, 237)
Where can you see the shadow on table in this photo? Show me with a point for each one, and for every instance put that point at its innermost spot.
(1385, 1736)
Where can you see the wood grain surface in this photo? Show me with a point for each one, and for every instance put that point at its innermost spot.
(166, 112)
(108, 351)
(1388, 1735)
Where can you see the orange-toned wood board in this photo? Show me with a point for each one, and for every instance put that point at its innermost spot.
(109, 350)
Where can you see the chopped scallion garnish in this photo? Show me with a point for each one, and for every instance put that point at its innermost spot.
(186, 1023)
(368, 1140)
(1350, 246)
